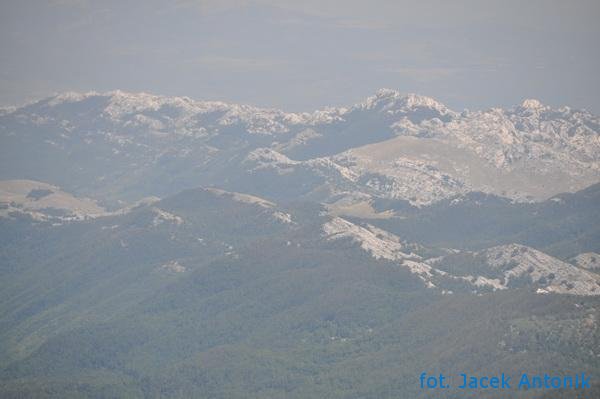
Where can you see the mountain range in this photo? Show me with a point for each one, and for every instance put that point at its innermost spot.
(165, 247)
(122, 147)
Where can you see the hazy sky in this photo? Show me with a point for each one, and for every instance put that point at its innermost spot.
(305, 54)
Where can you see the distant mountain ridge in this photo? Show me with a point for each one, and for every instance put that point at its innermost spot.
(124, 146)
